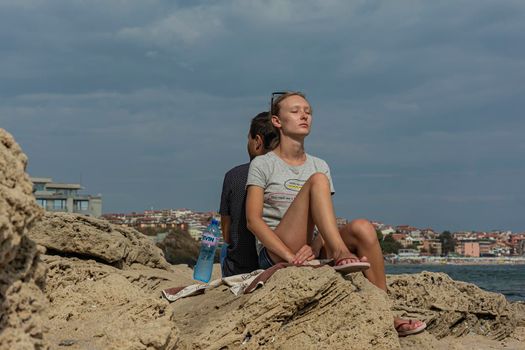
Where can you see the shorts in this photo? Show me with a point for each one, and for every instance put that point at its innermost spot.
(265, 262)
(226, 269)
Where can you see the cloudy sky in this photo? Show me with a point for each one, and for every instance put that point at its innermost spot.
(418, 105)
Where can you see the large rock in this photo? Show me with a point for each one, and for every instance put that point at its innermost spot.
(452, 308)
(97, 306)
(82, 236)
(95, 302)
(21, 273)
(104, 285)
(298, 308)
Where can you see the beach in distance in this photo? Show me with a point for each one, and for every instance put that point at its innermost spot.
(508, 280)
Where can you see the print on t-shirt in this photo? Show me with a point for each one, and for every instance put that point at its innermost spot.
(294, 184)
(275, 198)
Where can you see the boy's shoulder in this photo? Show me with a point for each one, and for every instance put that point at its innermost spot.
(238, 170)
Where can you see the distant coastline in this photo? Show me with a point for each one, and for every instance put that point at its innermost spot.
(436, 260)
(507, 279)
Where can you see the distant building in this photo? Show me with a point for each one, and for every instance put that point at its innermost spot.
(386, 230)
(195, 230)
(432, 246)
(400, 237)
(485, 247)
(408, 253)
(517, 242)
(521, 247)
(467, 248)
(341, 222)
(63, 197)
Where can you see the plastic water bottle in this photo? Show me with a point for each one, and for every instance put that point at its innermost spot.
(209, 242)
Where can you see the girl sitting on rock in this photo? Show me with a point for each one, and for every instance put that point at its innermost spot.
(289, 193)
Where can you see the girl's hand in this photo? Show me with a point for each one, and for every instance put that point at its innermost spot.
(306, 253)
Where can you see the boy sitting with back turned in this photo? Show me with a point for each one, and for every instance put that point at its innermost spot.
(242, 255)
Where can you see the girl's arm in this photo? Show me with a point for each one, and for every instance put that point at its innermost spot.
(255, 223)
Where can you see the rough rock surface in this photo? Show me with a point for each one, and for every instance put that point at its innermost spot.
(451, 307)
(21, 274)
(95, 303)
(104, 283)
(82, 236)
(299, 308)
(98, 306)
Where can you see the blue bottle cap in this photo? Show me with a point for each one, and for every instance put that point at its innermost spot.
(214, 221)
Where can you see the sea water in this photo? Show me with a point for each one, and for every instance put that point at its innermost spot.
(508, 280)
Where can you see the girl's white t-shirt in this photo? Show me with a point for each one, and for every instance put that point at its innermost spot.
(281, 183)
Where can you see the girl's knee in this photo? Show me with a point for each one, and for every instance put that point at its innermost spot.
(360, 225)
(363, 230)
(318, 178)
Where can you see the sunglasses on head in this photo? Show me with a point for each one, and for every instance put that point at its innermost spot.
(274, 96)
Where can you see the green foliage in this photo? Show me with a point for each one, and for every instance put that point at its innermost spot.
(180, 248)
(413, 246)
(448, 243)
(379, 235)
(389, 245)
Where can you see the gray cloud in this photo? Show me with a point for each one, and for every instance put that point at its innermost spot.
(417, 105)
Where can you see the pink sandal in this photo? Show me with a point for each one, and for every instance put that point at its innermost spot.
(404, 333)
(350, 267)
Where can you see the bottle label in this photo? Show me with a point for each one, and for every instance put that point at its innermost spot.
(209, 239)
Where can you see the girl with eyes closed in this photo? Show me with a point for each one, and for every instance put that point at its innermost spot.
(289, 193)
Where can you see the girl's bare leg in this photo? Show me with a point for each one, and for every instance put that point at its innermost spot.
(312, 206)
(360, 237)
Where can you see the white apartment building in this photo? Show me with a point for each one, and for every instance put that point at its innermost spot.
(65, 197)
